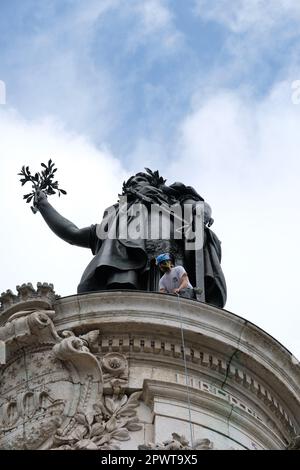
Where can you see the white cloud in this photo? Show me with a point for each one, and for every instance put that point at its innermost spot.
(243, 15)
(57, 69)
(88, 14)
(92, 178)
(153, 20)
(54, 71)
(243, 157)
(154, 25)
(154, 15)
(262, 37)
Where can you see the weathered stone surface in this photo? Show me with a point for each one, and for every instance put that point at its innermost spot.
(108, 370)
(51, 389)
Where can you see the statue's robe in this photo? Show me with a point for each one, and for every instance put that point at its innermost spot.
(214, 280)
(121, 263)
(118, 262)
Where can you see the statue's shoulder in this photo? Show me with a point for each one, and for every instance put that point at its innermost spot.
(186, 191)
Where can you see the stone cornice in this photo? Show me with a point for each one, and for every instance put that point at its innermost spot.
(158, 390)
(217, 329)
(165, 352)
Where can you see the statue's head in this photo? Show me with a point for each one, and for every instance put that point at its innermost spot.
(142, 180)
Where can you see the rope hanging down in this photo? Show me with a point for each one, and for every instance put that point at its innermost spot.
(186, 373)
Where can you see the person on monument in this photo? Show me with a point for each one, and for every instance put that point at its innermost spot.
(123, 263)
(175, 278)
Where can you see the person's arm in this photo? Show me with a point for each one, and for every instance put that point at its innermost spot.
(62, 227)
(162, 287)
(184, 282)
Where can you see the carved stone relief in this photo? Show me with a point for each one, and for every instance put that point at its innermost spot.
(182, 443)
(52, 389)
(294, 444)
(179, 443)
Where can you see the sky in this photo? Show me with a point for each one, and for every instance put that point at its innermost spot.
(205, 91)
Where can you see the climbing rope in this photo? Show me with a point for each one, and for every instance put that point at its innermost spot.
(186, 373)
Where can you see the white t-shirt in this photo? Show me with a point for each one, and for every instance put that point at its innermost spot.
(172, 279)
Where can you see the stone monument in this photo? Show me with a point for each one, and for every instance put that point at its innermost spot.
(122, 366)
(140, 370)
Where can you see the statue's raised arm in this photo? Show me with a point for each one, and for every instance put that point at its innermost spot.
(61, 226)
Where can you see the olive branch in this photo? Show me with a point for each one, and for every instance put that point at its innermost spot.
(43, 181)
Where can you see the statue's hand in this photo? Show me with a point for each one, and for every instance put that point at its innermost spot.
(39, 197)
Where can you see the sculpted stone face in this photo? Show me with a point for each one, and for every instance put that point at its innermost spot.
(140, 179)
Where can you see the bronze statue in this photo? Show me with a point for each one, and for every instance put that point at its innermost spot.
(129, 262)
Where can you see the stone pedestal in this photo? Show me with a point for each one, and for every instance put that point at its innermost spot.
(129, 370)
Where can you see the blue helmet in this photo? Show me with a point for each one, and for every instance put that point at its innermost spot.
(163, 257)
